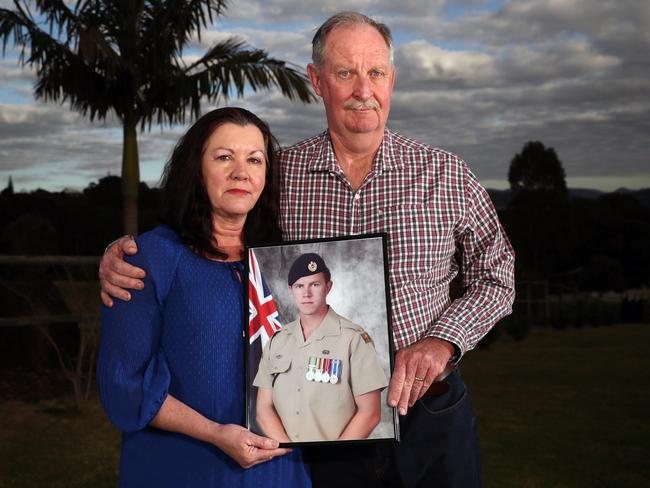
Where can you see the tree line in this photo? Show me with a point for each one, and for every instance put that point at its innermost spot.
(594, 244)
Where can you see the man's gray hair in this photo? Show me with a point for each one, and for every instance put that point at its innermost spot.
(346, 18)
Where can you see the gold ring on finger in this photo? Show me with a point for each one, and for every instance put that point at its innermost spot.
(417, 378)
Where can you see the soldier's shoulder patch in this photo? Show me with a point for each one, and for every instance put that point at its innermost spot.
(358, 329)
(364, 335)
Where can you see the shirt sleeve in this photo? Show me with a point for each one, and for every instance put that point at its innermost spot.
(132, 373)
(366, 373)
(487, 270)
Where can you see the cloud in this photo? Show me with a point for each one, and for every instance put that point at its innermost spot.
(420, 63)
(290, 11)
(479, 78)
(11, 71)
(289, 121)
(555, 71)
(43, 145)
(290, 46)
(19, 122)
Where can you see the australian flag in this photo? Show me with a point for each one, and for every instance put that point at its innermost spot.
(262, 314)
(263, 322)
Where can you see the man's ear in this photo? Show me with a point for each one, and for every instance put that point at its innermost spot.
(328, 286)
(314, 77)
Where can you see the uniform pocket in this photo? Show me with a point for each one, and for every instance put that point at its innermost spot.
(279, 365)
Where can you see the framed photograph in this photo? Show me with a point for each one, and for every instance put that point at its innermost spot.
(318, 341)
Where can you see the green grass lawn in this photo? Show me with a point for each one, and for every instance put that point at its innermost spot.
(51, 445)
(565, 408)
(561, 409)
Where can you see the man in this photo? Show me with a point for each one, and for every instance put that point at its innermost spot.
(319, 377)
(360, 177)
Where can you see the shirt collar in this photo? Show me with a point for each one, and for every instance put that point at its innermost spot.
(330, 326)
(324, 159)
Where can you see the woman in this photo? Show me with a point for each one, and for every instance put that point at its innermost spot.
(170, 368)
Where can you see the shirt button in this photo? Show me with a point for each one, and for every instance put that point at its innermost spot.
(298, 412)
(357, 196)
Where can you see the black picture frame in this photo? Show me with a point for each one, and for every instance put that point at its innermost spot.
(359, 294)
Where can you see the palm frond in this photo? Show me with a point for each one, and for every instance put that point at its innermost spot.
(57, 14)
(227, 69)
(15, 24)
(180, 19)
(231, 65)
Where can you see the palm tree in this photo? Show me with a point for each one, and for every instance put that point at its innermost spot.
(126, 57)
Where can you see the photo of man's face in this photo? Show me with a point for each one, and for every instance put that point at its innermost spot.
(309, 293)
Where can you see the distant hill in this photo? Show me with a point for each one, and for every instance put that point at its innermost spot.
(585, 193)
(501, 198)
(643, 196)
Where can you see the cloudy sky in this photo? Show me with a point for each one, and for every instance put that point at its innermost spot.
(478, 78)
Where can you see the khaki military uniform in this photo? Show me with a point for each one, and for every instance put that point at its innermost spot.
(316, 411)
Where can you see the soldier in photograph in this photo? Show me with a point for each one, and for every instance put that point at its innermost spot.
(320, 377)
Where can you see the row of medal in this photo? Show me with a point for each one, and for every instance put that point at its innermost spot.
(324, 370)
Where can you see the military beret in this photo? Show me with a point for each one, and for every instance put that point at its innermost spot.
(306, 265)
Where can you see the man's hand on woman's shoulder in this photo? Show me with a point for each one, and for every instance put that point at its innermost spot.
(116, 275)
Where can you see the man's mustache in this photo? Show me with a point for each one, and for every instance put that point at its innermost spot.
(353, 104)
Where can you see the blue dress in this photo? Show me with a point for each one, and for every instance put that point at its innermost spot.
(181, 335)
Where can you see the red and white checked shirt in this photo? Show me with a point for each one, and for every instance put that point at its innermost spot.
(432, 207)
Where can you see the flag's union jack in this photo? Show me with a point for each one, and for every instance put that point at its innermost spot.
(263, 314)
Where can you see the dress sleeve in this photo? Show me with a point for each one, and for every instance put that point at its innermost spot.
(132, 373)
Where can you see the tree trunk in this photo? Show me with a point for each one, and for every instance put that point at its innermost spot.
(130, 177)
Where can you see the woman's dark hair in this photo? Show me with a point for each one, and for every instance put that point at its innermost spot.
(185, 204)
